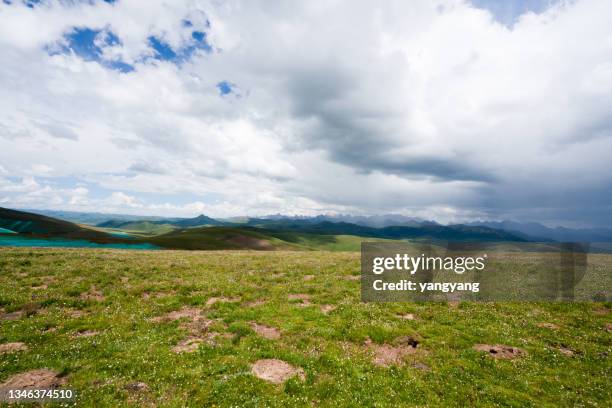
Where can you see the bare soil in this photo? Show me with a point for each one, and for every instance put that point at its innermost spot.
(500, 351)
(275, 371)
(12, 347)
(33, 379)
(270, 333)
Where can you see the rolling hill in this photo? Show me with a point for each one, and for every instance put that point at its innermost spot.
(31, 224)
(255, 234)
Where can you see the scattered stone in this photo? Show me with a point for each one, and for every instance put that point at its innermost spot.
(33, 379)
(214, 300)
(550, 326)
(454, 304)
(308, 277)
(500, 351)
(609, 327)
(407, 316)
(22, 274)
(136, 387)
(189, 345)
(275, 371)
(352, 277)
(270, 333)
(40, 287)
(12, 347)
(327, 308)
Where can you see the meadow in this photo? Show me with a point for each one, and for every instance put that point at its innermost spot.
(282, 328)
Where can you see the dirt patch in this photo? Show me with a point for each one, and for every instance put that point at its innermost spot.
(546, 325)
(93, 294)
(197, 326)
(256, 303)
(352, 277)
(189, 345)
(12, 315)
(75, 314)
(308, 277)
(250, 242)
(190, 313)
(149, 295)
(40, 287)
(327, 308)
(386, 355)
(500, 351)
(86, 333)
(566, 350)
(305, 299)
(214, 300)
(136, 387)
(609, 327)
(454, 304)
(34, 379)
(275, 371)
(407, 316)
(420, 366)
(601, 311)
(12, 347)
(270, 333)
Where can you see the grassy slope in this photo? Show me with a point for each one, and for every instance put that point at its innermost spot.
(147, 227)
(339, 371)
(35, 225)
(224, 238)
(218, 238)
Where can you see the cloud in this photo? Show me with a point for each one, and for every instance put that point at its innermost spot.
(442, 109)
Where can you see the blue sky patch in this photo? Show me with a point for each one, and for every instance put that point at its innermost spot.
(164, 52)
(225, 87)
(507, 12)
(88, 44)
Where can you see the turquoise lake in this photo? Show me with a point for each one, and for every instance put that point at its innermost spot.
(20, 241)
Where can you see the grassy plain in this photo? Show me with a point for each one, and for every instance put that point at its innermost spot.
(100, 318)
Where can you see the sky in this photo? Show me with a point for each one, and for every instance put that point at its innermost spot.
(448, 110)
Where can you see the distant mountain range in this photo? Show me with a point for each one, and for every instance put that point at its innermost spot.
(388, 226)
(202, 232)
(539, 232)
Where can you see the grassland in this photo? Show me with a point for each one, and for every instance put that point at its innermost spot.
(103, 320)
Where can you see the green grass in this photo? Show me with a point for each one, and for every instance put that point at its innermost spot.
(329, 347)
(147, 227)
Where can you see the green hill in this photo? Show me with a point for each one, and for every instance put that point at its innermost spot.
(40, 226)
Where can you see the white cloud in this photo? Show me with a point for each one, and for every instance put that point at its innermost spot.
(426, 108)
